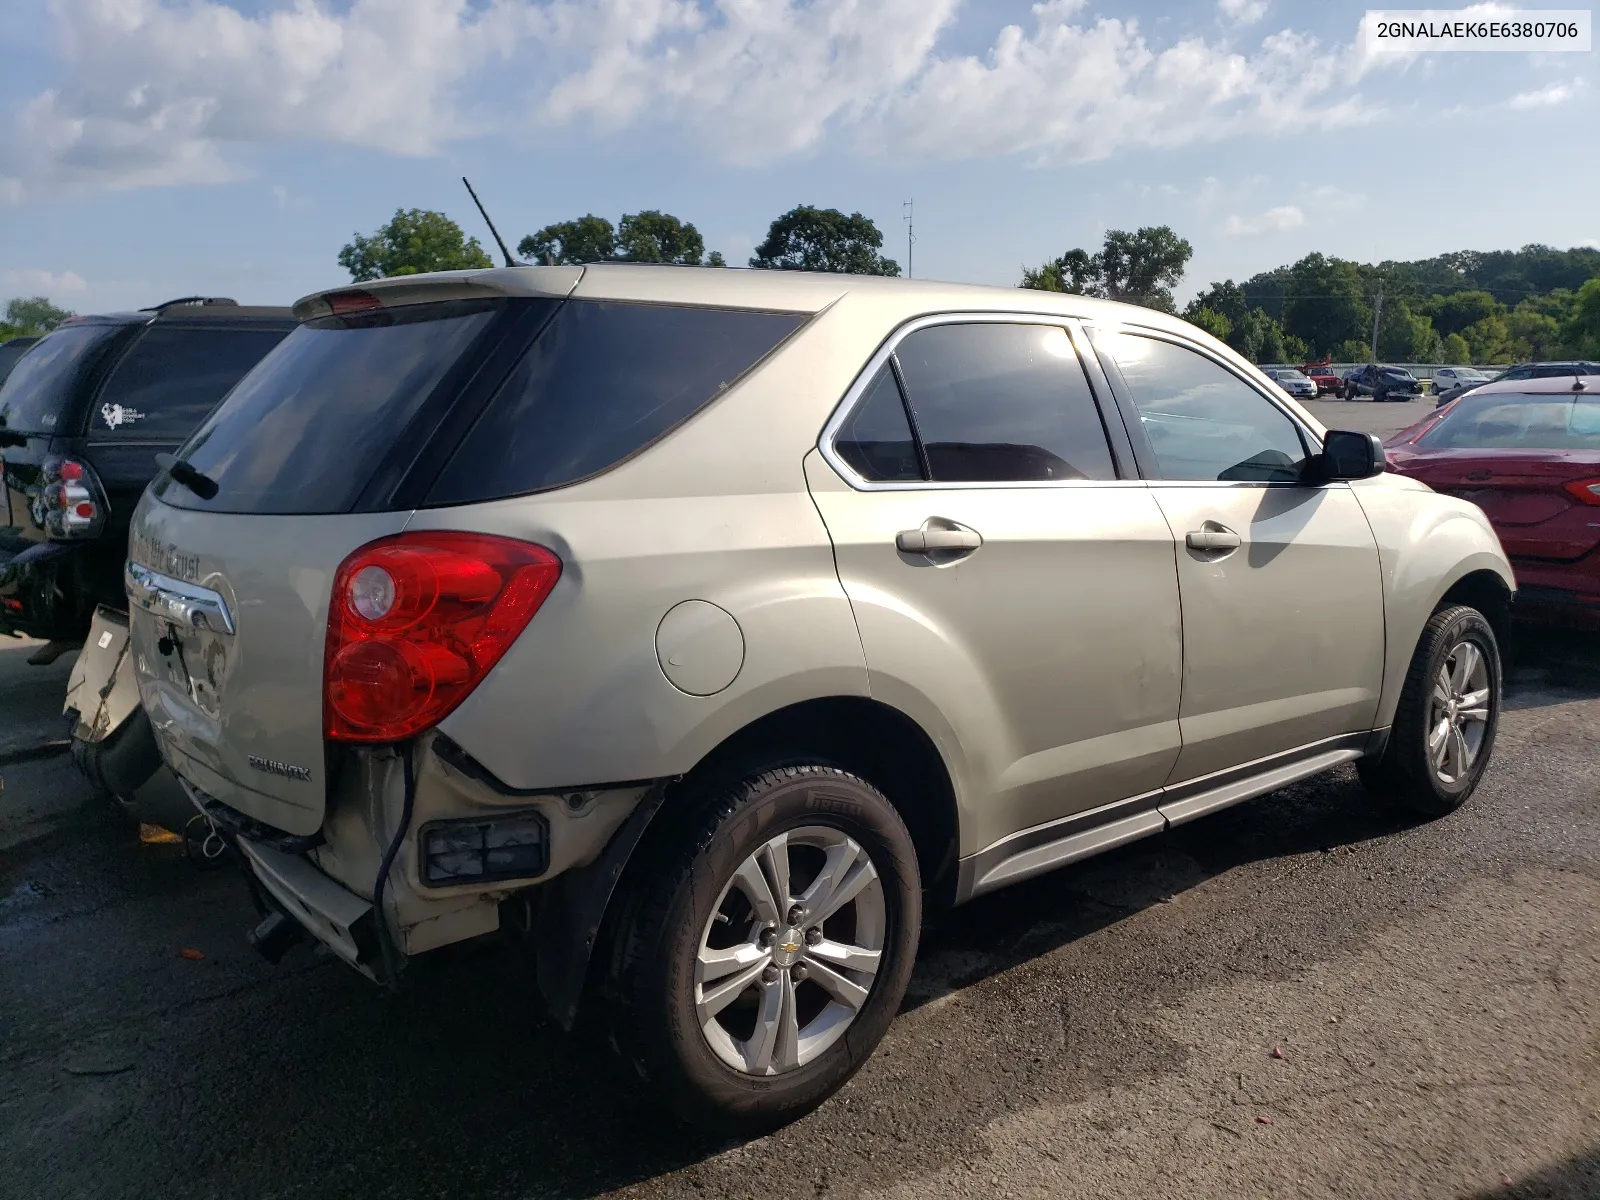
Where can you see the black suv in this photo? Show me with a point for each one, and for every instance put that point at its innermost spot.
(1382, 383)
(82, 416)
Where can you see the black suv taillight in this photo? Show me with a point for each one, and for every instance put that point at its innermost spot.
(70, 503)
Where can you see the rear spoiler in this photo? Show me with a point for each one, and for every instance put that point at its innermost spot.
(550, 282)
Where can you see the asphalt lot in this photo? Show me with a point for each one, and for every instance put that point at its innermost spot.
(1366, 417)
(1300, 996)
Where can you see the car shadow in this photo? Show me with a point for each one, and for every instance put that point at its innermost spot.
(1576, 1178)
(995, 933)
(1547, 664)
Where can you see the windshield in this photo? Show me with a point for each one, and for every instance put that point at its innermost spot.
(39, 388)
(306, 429)
(1292, 377)
(1520, 422)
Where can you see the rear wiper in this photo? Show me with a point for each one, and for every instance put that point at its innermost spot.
(11, 437)
(198, 482)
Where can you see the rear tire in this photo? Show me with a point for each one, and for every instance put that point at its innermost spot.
(1444, 728)
(738, 890)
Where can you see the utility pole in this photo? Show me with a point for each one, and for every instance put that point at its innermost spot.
(908, 209)
(1377, 312)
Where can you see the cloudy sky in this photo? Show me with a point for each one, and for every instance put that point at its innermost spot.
(153, 148)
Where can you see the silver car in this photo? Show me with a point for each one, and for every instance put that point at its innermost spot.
(1296, 383)
(703, 628)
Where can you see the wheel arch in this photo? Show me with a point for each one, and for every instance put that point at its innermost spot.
(572, 921)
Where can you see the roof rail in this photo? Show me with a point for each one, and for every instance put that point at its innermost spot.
(188, 300)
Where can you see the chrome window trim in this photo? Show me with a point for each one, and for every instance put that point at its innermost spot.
(869, 372)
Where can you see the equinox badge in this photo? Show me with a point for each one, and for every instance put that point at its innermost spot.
(273, 767)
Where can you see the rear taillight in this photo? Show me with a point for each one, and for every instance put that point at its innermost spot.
(415, 623)
(70, 502)
(1585, 491)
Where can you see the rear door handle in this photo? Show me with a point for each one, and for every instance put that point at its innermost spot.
(931, 538)
(1213, 537)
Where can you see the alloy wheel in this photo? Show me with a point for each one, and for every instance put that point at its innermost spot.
(789, 955)
(1458, 712)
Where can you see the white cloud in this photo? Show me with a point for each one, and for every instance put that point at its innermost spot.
(1245, 12)
(1546, 97)
(43, 283)
(170, 91)
(1274, 220)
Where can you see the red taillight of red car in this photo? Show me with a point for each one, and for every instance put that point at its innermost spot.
(1585, 491)
(416, 621)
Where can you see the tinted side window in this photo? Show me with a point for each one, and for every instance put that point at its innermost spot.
(1203, 421)
(602, 382)
(1003, 403)
(164, 386)
(875, 439)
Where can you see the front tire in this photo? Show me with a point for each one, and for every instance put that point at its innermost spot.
(764, 946)
(1444, 728)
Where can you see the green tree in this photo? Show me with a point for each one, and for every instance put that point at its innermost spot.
(1489, 340)
(31, 316)
(824, 239)
(412, 242)
(658, 237)
(571, 243)
(1456, 350)
(1354, 351)
(1453, 313)
(1405, 337)
(1209, 319)
(1141, 267)
(715, 259)
(1533, 335)
(1226, 299)
(1582, 327)
(1325, 303)
(1144, 266)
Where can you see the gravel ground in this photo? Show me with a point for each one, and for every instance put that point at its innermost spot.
(1300, 996)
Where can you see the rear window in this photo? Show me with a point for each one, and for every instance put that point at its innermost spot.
(603, 381)
(306, 430)
(1531, 422)
(39, 389)
(164, 386)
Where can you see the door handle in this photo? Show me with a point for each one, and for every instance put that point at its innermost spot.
(930, 539)
(1214, 537)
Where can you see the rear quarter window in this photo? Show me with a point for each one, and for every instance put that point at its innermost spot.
(166, 383)
(602, 382)
(40, 388)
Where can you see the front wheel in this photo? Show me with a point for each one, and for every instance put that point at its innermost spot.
(1444, 728)
(765, 947)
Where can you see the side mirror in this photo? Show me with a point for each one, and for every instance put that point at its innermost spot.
(1349, 455)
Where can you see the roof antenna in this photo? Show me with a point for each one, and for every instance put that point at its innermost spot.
(510, 262)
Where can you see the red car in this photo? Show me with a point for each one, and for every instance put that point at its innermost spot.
(1527, 452)
(1324, 376)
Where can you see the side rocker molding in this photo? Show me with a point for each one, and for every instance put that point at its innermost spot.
(1057, 843)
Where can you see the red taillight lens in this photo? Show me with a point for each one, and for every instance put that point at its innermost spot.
(70, 502)
(416, 621)
(353, 301)
(1585, 491)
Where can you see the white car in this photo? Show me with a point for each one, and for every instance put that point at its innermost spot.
(1446, 378)
(1297, 384)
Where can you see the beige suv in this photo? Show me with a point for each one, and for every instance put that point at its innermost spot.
(701, 628)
